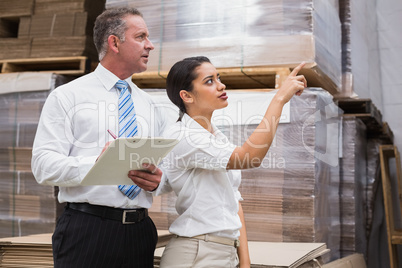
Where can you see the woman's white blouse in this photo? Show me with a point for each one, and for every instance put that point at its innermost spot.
(207, 193)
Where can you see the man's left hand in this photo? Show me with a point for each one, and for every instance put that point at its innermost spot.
(147, 179)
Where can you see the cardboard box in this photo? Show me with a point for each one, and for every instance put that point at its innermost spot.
(16, 8)
(17, 135)
(53, 25)
(352, 261)
(18, 227)
(15, 159)
(13, 48)
(24, 183)
(64, 46)
(54, 6)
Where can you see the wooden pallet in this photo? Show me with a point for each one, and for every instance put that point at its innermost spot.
(261, 77)
(365, 110)
(59, 65)
(392, 196)
(233, 78)
(385, 134)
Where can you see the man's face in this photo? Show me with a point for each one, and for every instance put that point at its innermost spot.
(134, 51)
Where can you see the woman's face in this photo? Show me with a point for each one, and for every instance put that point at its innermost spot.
(208, 91)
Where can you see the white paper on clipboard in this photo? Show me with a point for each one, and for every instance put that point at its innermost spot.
(125, 154)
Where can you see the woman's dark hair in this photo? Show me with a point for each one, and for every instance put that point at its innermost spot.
(181, 77)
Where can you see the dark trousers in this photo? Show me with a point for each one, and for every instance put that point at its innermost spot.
(84, 240)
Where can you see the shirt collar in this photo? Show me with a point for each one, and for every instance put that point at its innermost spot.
(193, 125)
(109, 79)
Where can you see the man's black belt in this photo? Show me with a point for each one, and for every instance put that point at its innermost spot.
(126, 216)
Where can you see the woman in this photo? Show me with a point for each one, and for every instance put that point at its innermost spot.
(204, 168)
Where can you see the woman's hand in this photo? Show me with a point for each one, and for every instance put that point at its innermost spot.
(293, 85)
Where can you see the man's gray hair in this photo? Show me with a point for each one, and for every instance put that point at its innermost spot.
(111, 22)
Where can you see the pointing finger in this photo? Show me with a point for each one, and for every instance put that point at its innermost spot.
(297, 69)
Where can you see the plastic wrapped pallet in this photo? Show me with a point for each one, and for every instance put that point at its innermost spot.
(244, 33)
(353, 182)
(360, 50)
(373, 178)
(294, 195)
(26, 207)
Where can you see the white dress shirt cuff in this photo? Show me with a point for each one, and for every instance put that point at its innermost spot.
(85, 164)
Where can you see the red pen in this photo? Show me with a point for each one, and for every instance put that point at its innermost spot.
(112, 134)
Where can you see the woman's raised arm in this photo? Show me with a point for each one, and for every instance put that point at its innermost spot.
(253, 151)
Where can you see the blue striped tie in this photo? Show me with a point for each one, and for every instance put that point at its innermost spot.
(127, 128)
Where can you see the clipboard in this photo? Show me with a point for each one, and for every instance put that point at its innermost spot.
(125, 154)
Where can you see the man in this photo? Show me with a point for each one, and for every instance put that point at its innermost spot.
(101, 226)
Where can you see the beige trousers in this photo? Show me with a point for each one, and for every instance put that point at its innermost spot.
(182, 252)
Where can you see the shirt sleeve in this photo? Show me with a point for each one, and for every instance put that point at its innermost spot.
(235, 178)
(164, 187)
(51, 161)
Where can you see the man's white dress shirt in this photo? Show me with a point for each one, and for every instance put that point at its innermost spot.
(73, 130)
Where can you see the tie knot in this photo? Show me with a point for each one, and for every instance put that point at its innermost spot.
(121, 84)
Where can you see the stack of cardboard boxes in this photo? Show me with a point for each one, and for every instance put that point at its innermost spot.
(47, 28)
(26, 207)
